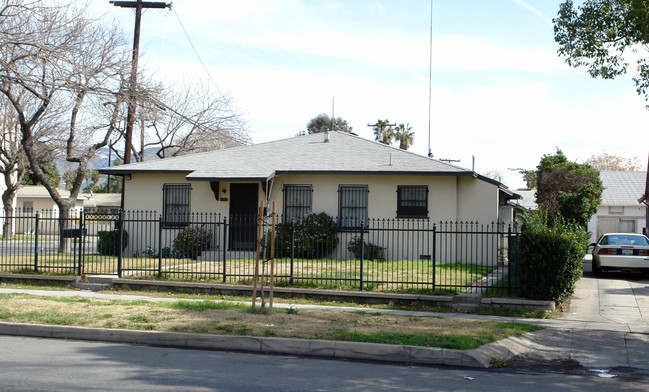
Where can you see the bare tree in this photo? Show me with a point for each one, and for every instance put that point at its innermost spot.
(612, 162)
(54, 60)
(13, 164)
(495, 174)
(183, 120)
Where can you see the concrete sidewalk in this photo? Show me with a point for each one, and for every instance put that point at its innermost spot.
(605, 328)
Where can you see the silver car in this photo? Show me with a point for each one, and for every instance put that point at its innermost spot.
(621, 251)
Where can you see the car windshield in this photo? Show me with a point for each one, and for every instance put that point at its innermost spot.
(622, 239)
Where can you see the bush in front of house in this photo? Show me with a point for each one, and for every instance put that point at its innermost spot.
(370, 250)
(551, 257)
(192, 241)
(314, 237)
(108, 242)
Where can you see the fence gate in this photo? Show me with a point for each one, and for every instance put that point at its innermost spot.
(101, 246)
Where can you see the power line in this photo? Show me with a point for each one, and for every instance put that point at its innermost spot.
(241, 128)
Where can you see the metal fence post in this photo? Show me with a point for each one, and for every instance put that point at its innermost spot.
(292, 250)
(35, 242)
(160, 246)
(120, 234)
(225, 247)
(434, 256)
(81, 241)
(509, 260)
(362, 251)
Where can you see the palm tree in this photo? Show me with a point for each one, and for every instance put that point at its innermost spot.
(95, 176)
(383, 131)
(405, 135)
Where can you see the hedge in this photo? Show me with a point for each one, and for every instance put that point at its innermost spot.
(551, 257)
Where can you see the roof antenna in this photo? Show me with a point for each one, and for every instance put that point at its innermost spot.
(430, 77)
(333, 122)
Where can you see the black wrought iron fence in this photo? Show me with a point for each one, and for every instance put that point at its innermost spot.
(401, 255)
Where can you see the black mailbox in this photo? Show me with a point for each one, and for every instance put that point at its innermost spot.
(74, 233)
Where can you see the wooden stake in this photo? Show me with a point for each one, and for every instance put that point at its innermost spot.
(256, 276)
(272, 258)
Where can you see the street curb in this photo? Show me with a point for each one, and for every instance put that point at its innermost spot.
(476, 358)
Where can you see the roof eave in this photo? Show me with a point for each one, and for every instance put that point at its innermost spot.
(121, 172)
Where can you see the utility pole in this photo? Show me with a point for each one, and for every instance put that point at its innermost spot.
(381, 125)
(132, 100)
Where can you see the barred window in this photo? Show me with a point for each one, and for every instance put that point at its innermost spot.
(176, 207)
(352, 204)
(28, 207)
(298, 201)
(412, 201)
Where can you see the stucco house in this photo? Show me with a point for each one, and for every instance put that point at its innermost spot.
(348, 177)
(34, 198)
(341, 174)
(31, 199)
(620, 210)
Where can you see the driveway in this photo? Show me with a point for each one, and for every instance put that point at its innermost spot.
(615, 298)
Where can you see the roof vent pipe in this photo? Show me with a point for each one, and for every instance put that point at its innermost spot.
(326, 136)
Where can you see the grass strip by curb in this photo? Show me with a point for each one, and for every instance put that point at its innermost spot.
(211, 317)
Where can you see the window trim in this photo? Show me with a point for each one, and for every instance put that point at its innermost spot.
(186, 189)
(363, 190)
(308, 191)
(417, 212)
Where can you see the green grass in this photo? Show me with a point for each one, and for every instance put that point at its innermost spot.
(500, 288)
(205, 305)
(37, 284)
(278, 298)
(24, 237)
(203, 316)
(457, 342)
(449, 278)
(139, 319)
(515, 312)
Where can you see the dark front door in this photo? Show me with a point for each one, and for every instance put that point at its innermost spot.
(243, 216)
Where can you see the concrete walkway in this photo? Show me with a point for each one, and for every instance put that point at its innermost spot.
(606, 328)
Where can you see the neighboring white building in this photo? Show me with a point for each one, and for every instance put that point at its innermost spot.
(620, 210)
(35, 198)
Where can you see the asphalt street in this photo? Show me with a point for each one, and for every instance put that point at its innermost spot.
(30, 364)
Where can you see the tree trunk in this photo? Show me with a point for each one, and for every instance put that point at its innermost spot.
(64, 219)
(7, 225)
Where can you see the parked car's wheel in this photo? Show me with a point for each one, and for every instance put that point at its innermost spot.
(597, 270)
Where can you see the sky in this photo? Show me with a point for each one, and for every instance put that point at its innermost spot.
(500, 98)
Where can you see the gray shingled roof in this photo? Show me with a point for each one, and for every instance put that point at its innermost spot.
(528, 198)
(342, 154)
(622, 188)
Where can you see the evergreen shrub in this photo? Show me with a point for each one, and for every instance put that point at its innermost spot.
(370, 250)
(192, 241)
(315, 237)
(551, 257)
(108, 242)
